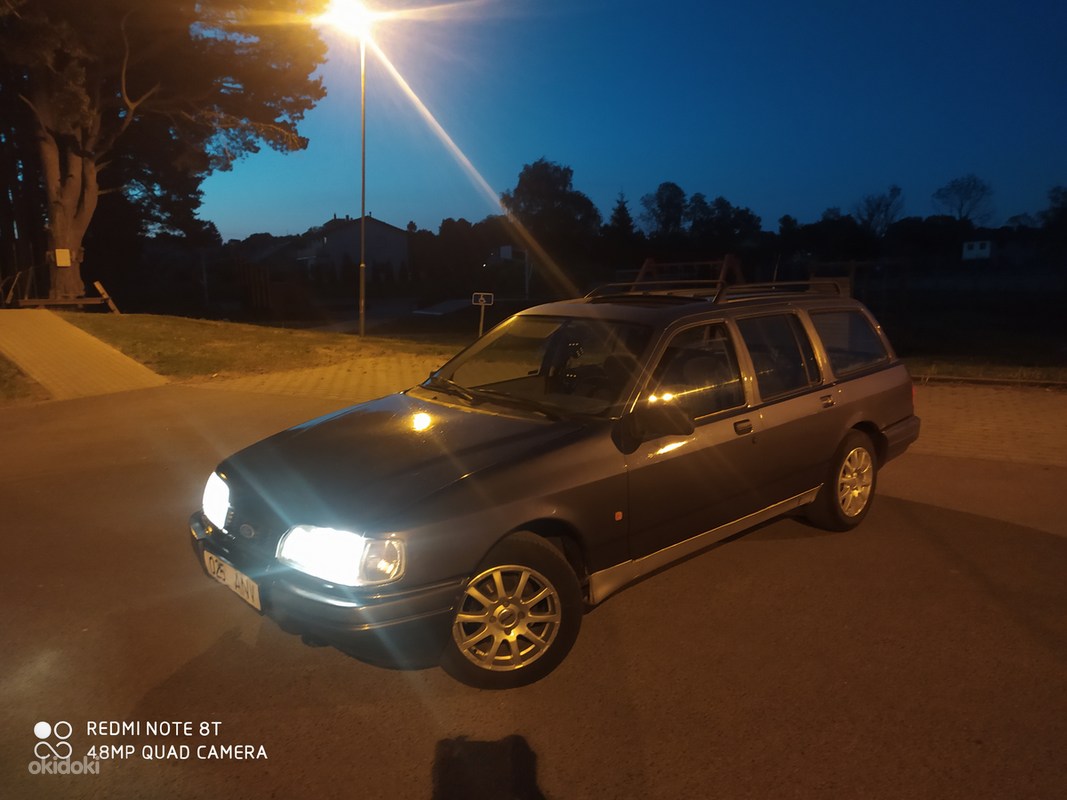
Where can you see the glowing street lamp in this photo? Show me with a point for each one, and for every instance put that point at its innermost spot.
(354, 19)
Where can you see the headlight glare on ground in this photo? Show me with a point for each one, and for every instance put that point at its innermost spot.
(216, 503)
(341, 557)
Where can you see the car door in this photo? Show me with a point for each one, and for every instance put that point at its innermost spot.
(684, 485)
(799, 415)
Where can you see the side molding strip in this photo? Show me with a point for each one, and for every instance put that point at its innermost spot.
(606, 582)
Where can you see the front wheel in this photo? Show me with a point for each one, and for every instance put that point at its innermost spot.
(518, 617)
(845, 497)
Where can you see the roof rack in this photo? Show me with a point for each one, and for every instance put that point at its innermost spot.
(716, 291)
(667, 287)
(743, 291)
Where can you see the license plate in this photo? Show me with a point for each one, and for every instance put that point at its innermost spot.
(239, 583)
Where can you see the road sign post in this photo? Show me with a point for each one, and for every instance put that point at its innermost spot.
(481, 299)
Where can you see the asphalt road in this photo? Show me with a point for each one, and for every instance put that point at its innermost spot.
(921, 656)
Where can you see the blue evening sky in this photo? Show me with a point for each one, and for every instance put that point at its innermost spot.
(783, 107)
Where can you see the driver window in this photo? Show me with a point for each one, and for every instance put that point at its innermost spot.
(699, 371)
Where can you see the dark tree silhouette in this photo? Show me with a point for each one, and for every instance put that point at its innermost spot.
(1054, 218)
(699, 215)
(836, 237)
(562, 223)
(546, 201)
(665, 210)
(967, 198)
(147, 99)
(621, 223)
(876, 212)
(622, 246)
(22, 201)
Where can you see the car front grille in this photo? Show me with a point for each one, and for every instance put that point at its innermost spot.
(251, 535)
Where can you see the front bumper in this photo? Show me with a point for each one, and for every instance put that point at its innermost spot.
(409, 626)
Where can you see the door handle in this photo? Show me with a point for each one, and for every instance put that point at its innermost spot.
(828, 401)
(743, 426)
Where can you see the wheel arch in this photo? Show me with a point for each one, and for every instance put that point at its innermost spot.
(874, 433)
(565, 538)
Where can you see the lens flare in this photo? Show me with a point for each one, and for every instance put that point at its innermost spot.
(350, 17)
(541, 256)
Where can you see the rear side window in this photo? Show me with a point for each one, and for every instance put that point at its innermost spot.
(850, 340)
(781, 353)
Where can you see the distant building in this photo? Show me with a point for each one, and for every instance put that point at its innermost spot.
(977, 251)
(329, 254)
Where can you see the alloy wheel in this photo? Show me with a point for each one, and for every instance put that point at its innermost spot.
(854, 481)
(508, 618)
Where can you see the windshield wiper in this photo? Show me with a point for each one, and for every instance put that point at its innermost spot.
(525, 403)
(449, 386)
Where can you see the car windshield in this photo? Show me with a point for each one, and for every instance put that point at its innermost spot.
(554, 365)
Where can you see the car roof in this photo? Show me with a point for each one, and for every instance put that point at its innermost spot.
(659, 305)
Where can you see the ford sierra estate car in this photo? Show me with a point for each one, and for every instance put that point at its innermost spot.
(573, 449)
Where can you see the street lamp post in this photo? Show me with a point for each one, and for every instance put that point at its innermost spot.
(362, 182)
(354, 19)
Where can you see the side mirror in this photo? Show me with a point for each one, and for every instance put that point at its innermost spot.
(662, 419)
(652, 420)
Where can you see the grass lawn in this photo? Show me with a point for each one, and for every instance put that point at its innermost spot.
(185, 349)
(15, 385)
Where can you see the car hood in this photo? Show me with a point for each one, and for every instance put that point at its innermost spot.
(368, 463)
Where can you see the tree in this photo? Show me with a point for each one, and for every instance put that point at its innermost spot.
(621, 244)
(876, 212)
(664, 210)
(719, 227)
(148, 99)
(1021, 221)
(933, 242)
(1054, 218)
(547, 202)
(698, 214)
(836, 237)
(621, 223)
(562, 222)
(967, 198)
(734, 224)
(22, 207)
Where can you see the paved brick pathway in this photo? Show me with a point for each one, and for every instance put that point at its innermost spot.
(351, 381)
(66, 360)
(1019, 424)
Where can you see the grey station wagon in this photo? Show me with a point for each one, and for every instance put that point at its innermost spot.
(575, 448)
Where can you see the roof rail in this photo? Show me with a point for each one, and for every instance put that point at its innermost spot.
(715, 291)
(741, 291)
(683, 288)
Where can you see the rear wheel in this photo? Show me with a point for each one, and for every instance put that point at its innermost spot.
(846, 495)
(518, 617)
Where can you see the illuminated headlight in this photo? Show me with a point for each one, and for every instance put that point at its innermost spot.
(216, 500)
(341, 556)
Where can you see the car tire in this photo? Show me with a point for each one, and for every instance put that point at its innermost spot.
(517, 618)
(846, 495)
